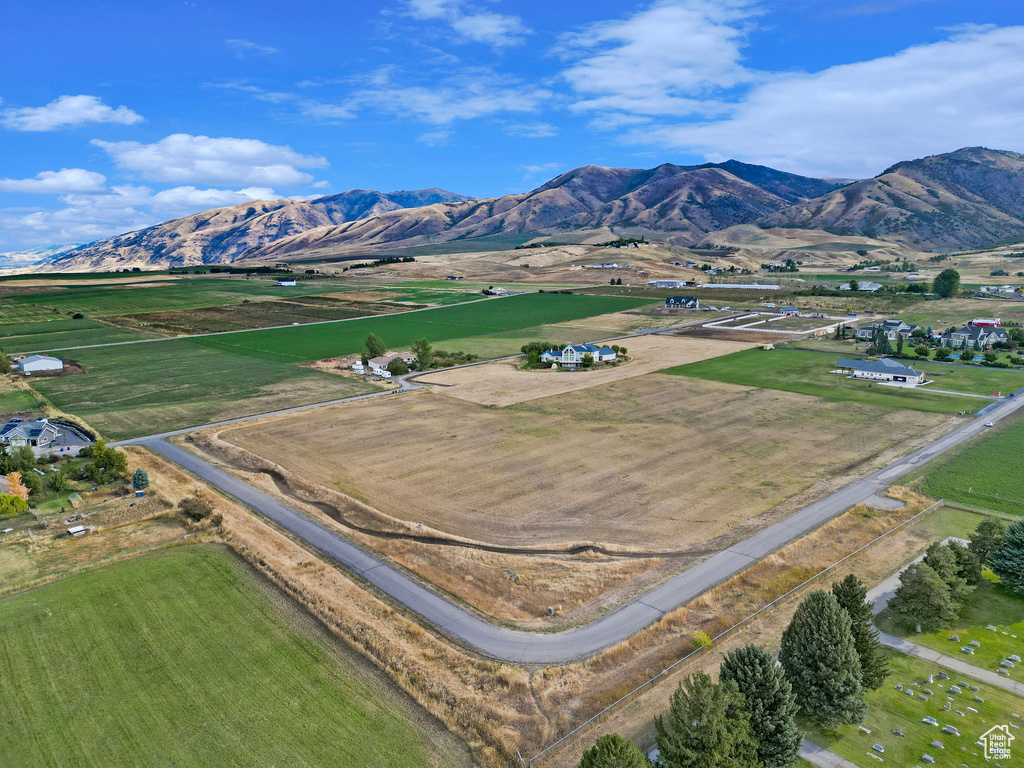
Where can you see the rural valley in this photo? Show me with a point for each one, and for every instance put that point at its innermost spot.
(670, 414)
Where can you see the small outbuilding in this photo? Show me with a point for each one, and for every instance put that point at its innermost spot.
(40, 364)
(77, 530)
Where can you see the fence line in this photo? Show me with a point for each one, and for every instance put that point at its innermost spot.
(619, 703)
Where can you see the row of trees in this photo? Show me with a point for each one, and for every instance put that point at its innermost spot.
(932, 592)
(830, 656)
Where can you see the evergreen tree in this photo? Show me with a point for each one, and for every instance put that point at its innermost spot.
(944, 562)
(613, 751)
(1008, 560)
(820, 659)
(853, 597)
(968, 566)
(922, 598)
(899, 346)
(986, 537)
(706, 726)
(768, 697)
(140, 479)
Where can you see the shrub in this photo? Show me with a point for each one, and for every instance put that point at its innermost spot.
(57, 482)
(701, 639)
(195, 507)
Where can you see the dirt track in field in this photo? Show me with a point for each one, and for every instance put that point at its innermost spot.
(503, 383)
(653, 462)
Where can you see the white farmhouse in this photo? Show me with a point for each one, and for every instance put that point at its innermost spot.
(39, 364)
(572, 355)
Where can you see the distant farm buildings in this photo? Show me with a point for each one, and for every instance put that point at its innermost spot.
(885, 369)
(287, 282)
(672, 283)
(864, 285)
(39, 364)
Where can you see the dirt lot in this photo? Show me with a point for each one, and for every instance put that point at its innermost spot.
(655, 462)
(504, 383)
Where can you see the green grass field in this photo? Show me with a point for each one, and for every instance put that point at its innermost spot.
(991, 605)
(889, 709)
(986, 472)
(808, 373)
(303, 343)
(139, 389)
(44, 303)
(159, 386)
(184, 658)
(59, 334)
(17, 401)
(972, 379)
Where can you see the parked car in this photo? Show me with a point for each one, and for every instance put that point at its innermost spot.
(990, 423)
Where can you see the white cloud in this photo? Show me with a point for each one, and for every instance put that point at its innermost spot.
(57, 182)
(182, 201)
(471, 23)
(532, 130)
(184, 158)
(663, 60)
(463, 96)
(66, 111)
(856, 119)
(243, 48)
(90, 215)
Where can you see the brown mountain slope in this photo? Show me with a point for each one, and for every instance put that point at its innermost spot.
(225, 234)
(684, 202)
(970, 198)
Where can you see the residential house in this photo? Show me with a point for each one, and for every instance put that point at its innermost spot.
(572, 355)
(681, 302)
(885, 369)
(379, 365)
(35, 433)
(39, 364)
(893, 329)
(974, 335)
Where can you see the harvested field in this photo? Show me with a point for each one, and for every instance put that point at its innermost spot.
(654, 462)
(732, 334)
(504, 383)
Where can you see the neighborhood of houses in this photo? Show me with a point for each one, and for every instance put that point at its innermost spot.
(978, 334)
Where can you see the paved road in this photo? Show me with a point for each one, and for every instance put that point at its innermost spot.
(569, 645)
(823, 758)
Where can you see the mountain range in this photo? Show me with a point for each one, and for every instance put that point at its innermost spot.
(970, 198)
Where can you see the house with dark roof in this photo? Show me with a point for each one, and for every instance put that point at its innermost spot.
(893, 329)
(885, 369)
(682, 302)
(35, 433)
(971, 335)
(572, 355)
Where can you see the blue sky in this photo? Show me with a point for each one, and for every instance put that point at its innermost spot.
(119, 115)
